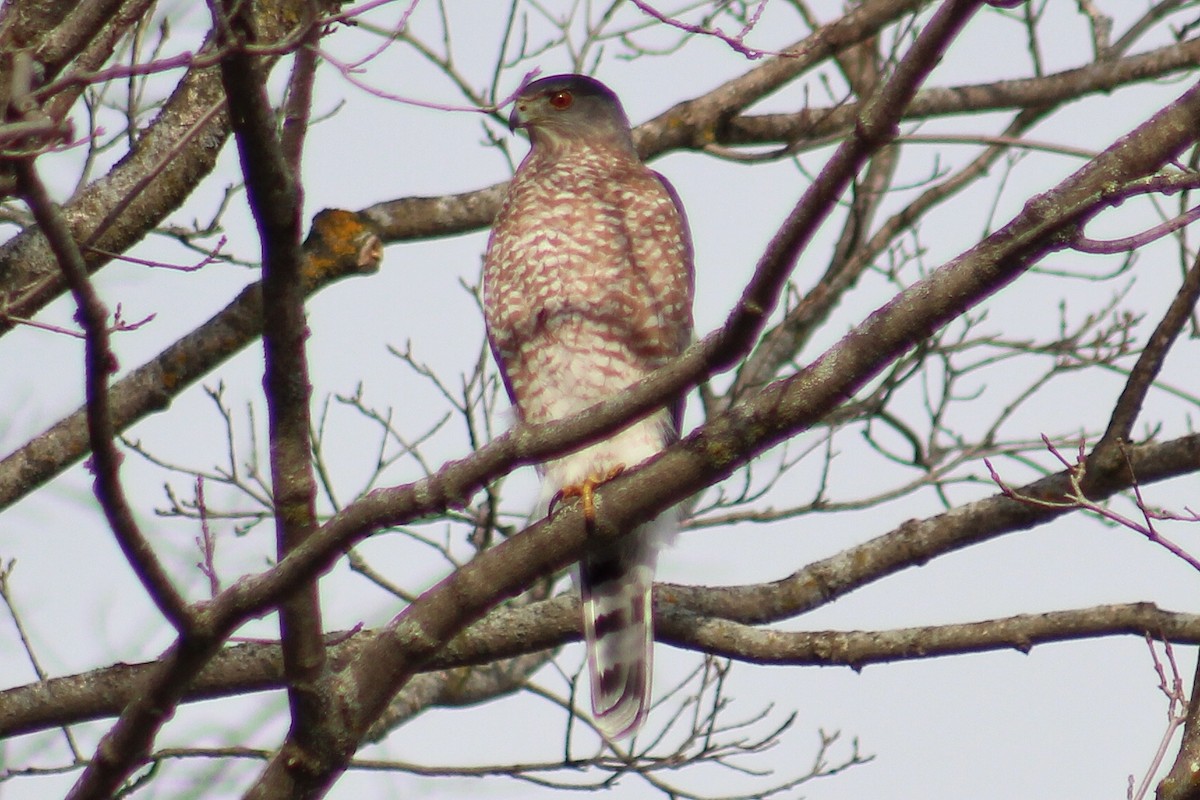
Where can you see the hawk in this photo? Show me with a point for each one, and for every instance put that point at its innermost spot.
(587, 288)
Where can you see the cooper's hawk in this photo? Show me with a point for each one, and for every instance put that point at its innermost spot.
(587, 288)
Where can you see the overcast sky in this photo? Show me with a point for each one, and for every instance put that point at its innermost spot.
(1065, 720)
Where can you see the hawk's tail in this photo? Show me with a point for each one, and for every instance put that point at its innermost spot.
(617, 624)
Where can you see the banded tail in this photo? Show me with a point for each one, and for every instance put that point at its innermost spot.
(616, 587)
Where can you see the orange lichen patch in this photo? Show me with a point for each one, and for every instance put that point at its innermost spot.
(340, 243)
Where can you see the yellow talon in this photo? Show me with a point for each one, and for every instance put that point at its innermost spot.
(586, 491)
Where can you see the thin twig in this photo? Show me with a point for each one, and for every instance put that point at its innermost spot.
(100, 362)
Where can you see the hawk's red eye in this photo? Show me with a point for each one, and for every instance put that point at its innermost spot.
(562, 99)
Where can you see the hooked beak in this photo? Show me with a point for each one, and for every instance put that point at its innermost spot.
(514, 119)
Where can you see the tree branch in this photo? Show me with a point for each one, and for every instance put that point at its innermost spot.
(700, 123)
(1142, 376)
(100, 361)
(340, 243)
(168, 161)
(276, 204)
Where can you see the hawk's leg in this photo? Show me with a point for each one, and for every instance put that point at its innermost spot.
(585, 490)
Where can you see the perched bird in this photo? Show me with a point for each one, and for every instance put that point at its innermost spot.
(587, 288)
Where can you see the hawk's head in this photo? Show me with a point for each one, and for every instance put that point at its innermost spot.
(570, 107)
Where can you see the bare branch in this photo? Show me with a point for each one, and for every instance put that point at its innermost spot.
(99, 363)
